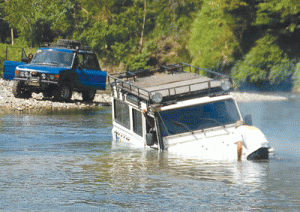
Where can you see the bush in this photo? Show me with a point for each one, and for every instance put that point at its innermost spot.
(264, 62)
(14, 53)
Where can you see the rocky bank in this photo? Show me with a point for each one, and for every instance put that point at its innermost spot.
(37, 103)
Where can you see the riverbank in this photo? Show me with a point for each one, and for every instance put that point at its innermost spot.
(9, 103)
(37, 103)
(248, 96)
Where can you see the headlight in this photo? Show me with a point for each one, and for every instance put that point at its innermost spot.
(225, 85)
(26, 74)
(52, 77)
(43, 76)
(157, 97)
(22, 74)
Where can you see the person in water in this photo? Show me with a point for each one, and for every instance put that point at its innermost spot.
(249, 137)
(240, 141)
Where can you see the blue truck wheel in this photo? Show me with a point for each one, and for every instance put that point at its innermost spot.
(19, 91)
(88, 95)
(63, 93)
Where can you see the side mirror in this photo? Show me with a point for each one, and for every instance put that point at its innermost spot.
(149, 139)
(248, 120)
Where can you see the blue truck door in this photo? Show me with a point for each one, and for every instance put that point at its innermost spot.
(91, 75)
(10, 66)
(9, 69)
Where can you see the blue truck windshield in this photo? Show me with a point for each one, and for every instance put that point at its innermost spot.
(198, 117)
(52, 57)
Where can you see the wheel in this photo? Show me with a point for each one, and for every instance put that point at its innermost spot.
(18, 92)
(88, 95)
(63, 93)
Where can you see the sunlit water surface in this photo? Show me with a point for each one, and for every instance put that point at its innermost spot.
(66, 162)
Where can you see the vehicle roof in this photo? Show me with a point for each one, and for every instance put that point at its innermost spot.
(171, 81)
(57, 49)
(63, 49)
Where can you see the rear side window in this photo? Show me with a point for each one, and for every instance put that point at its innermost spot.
(89, 61)
(137, 122)
(122, 113)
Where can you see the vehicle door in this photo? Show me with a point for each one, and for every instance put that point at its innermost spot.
(10, 66)
(89, 72)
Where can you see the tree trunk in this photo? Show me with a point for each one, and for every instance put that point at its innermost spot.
(143, 28)
(12, 36)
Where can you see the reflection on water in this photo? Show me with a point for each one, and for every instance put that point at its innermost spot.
(66, 162)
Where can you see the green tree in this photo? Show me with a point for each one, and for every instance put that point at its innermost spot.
(4, 26)
(273, 56)
(215, 35)
(265, 62)
(115, 34)
(41, 21)
(259, 39)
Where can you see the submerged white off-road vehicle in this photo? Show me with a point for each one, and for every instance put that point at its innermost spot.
(175, 108)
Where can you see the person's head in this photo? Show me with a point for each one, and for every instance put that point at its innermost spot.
(239, 123)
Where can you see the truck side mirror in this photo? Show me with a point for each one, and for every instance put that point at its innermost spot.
(248, 120)
(149, 139)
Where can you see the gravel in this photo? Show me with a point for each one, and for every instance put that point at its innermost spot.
(37, 103)
(247, 97)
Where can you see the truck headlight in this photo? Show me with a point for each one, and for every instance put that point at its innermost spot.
(225, 85)
(43, 76)
(52, 77)
(26, 74)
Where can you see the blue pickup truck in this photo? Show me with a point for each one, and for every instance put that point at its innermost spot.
(57, 71)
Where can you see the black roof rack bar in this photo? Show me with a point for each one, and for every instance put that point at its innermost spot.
(168, 92)
(69, 44)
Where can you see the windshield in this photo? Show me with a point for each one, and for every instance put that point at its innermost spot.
(52, 57)
(198, 117)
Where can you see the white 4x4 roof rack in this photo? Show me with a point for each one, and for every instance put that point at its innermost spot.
(171, 82)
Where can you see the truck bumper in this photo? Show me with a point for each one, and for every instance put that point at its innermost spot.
(36, 84)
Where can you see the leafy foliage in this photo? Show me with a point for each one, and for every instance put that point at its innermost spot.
(254, 40)
(14, 53)
(212, 40)
(257, 39)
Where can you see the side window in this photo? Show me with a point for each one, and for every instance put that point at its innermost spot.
(91, 62)
(137, 122)
(121, 113)
(80, 58)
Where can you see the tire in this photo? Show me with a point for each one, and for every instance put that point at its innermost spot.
(88, 95)
(63, 93)
(18, 92)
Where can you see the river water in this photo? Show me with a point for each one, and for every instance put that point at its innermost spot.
(65, 161)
